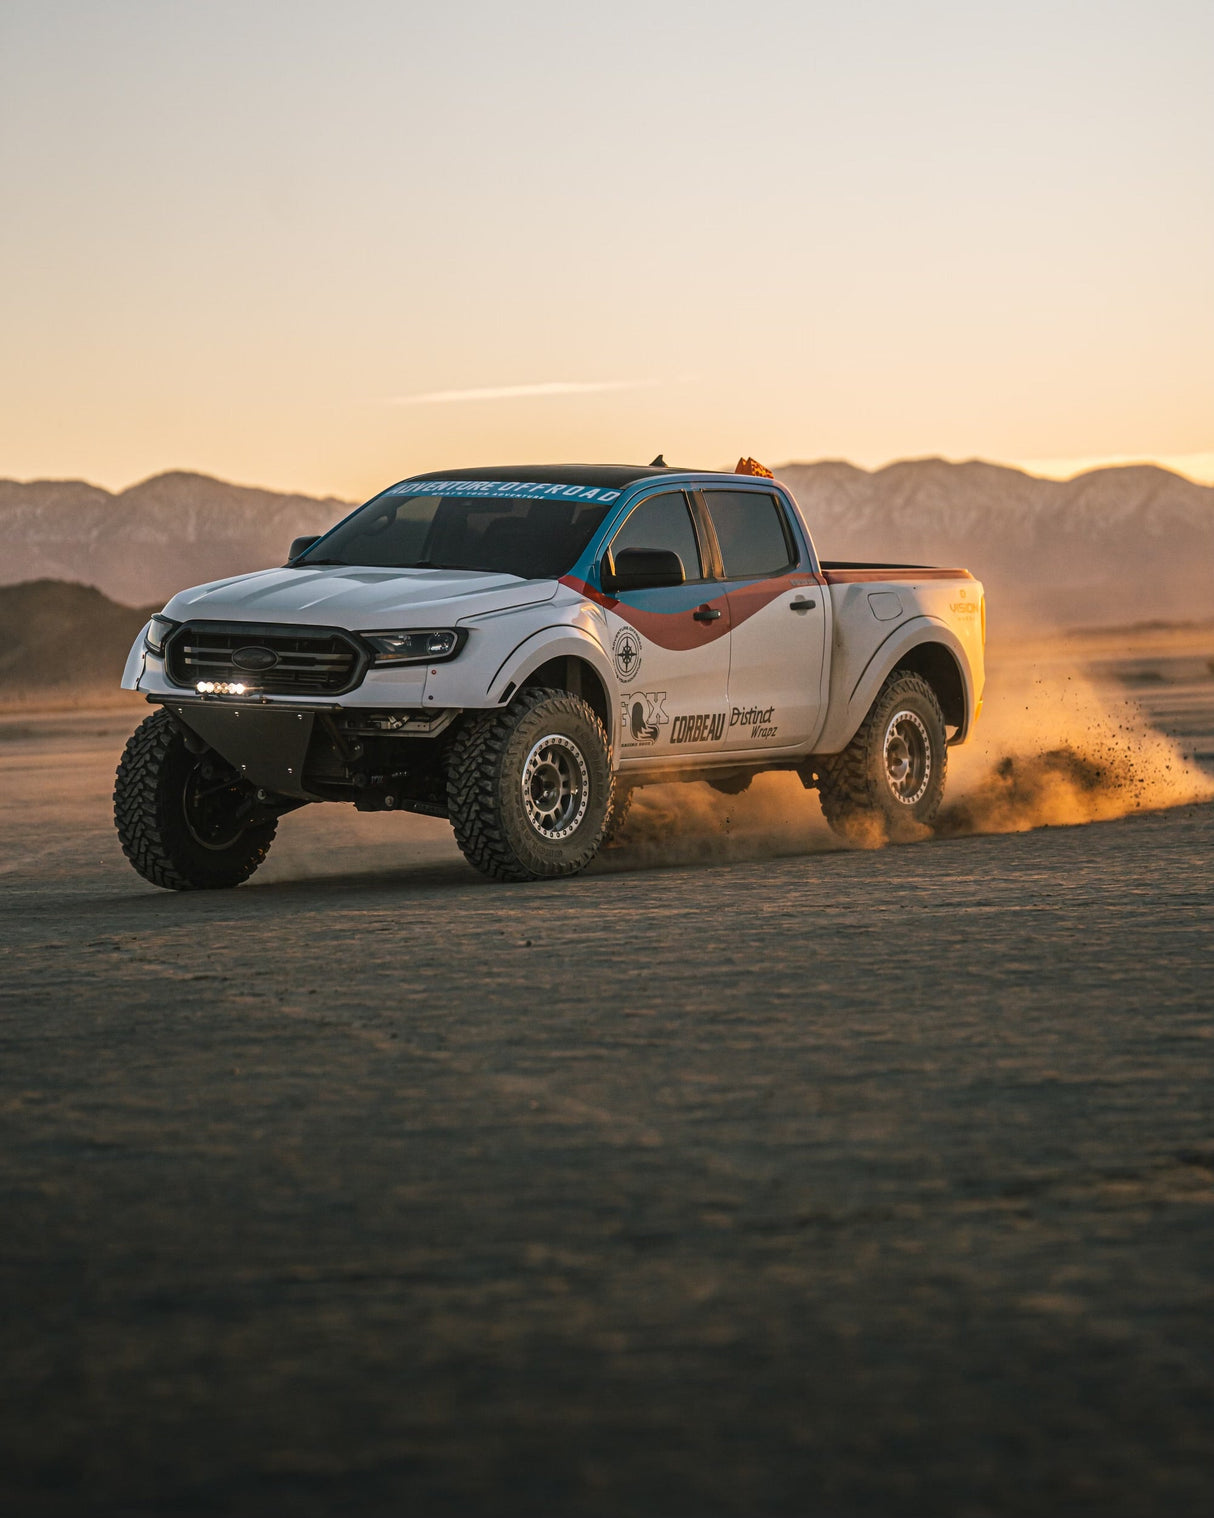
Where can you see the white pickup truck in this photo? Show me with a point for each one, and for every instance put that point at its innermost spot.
(517, 649)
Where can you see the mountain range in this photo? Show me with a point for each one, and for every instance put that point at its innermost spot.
(1111, 546)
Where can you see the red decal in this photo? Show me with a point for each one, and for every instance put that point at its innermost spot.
(875, 576)
(679, 630)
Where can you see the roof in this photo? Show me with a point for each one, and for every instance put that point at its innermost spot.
(608, 476)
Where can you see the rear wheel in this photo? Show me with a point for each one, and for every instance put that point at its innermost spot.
(529, 789)
(186, 821)
(620, 809)
(892, 772)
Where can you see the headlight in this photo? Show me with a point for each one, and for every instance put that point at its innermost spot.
(158, 630)
(420, 647)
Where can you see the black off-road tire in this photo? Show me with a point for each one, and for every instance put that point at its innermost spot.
(621, 807)
(489, 809)
(156, 772)
(860, 787)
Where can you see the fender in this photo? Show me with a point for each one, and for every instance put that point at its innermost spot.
(848, 709)
(136, 662)
(554, 642)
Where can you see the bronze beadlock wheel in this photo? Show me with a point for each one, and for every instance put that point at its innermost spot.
(908, 757)
(530, 791)
(556, 786)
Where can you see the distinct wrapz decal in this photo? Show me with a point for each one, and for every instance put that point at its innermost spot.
(757, 718)
(644, 716)
(508, 490)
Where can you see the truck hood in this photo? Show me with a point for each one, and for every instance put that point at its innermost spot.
(360, 600)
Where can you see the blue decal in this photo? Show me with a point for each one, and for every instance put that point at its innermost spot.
(504, 490)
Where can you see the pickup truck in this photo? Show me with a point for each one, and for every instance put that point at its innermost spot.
(517, 649)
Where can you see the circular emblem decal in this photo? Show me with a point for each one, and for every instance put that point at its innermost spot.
(626, 653)
(254, 658)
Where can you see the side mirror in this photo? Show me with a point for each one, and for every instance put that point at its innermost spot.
(642, 569)
(301, 545)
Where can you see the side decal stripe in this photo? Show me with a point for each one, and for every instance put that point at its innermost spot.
(678, 630)
(876, 576)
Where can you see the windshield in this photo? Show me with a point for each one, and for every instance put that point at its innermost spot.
(536, 532)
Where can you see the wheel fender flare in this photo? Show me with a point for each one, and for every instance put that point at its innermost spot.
(848, 709)
(136, 661)
(554, 643)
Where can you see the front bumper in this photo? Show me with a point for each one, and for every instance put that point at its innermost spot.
(304, 752)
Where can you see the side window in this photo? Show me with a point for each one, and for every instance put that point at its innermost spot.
(663, 521)
(752, 532)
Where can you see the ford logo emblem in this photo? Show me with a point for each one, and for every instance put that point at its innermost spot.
(254, 658)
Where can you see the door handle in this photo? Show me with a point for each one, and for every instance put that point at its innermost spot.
(801, 605)
(706, 614)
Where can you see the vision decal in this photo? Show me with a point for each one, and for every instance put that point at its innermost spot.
(756, 718)
(626, 653)
(508, 490)
(702, 727)
(644, 717)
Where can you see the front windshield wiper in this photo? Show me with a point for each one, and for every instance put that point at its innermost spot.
(312, 563)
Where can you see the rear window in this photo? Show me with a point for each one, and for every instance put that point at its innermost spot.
(754, 537)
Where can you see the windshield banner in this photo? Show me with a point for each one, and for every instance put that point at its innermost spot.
(504, 489)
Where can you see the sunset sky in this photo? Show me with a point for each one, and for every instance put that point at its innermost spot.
(321, 246)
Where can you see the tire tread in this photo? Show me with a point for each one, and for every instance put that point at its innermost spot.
(474, 778)
(139, 812)
(847, 785)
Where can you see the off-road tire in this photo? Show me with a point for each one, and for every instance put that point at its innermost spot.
(151, 817)
(620, 809)
(858, 788)
(485, 787)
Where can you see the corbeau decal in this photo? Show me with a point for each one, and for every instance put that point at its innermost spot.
(702, 727)
(756, 718)
(626, 653)
(644, 716)
(504, 490)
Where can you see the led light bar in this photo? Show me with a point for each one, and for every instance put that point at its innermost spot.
(220, 688)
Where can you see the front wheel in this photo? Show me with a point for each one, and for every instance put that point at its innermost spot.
(529, 789)
(891, 775)
(186, 821)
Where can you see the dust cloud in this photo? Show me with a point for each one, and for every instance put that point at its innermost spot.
(689, 824)
(1053, 749)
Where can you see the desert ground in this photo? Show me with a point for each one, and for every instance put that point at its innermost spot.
(746, 1174)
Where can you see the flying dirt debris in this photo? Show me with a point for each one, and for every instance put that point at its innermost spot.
(519, 649)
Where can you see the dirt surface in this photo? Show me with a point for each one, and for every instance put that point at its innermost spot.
(847, 1182)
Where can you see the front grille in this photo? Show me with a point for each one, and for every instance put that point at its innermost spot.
(309, 661)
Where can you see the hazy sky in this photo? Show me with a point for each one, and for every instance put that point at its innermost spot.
(324, 245)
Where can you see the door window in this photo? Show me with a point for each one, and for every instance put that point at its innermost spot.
(662, 521)
(752, 533)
